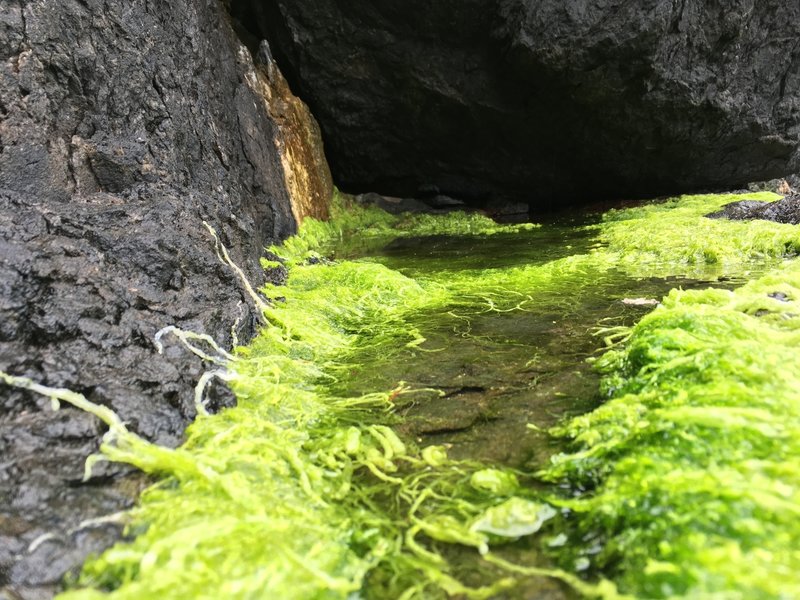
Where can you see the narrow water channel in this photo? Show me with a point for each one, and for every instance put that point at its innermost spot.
(499, 367)
(518, 354)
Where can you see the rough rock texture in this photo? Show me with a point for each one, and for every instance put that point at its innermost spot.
(786, 210)
(299, 141)
(124, 124)
(546, 101)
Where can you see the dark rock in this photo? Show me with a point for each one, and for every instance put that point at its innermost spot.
(508, 209)
(427, 190)
(780, 297)
(783, 211)
(124, 125)
(392, 205)
(443, 201)
(544, 101)
(783, 185)
(738, 211)
(786, 210)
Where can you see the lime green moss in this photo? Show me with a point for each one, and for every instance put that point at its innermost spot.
(674, 233)
(356, 227)
(348, 219)
(693, 465)
(295, 491)
(304, 491)
(456, 223)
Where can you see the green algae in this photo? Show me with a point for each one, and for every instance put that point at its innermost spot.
(286, 492)
(674, 234)
(355, 229)
(303, 491)
(691, 471)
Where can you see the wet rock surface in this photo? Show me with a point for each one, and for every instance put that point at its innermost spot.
(544, 101)
(123, 126)
(395, 206)
(437, 204)
(785, 210)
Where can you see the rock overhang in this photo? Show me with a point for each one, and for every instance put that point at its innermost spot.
(546, 102)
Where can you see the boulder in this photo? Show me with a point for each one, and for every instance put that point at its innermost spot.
(547, 102)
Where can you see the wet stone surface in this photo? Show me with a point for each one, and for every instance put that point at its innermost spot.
(786, 210)
(490, 383)
(125, 125)
(485, 375)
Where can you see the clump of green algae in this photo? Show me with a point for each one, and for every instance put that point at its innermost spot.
(691, 470)
(307, 494)
(686, 483)
(300, 493)
(673, 238)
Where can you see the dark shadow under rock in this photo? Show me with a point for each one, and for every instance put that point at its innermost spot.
(545, 102)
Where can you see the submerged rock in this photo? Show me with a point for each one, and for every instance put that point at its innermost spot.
(124, 125)
(640, 301)
(544, 101)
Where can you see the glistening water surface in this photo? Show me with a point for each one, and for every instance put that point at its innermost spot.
(513, 354)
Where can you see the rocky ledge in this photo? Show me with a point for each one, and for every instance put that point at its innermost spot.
(785, 210)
